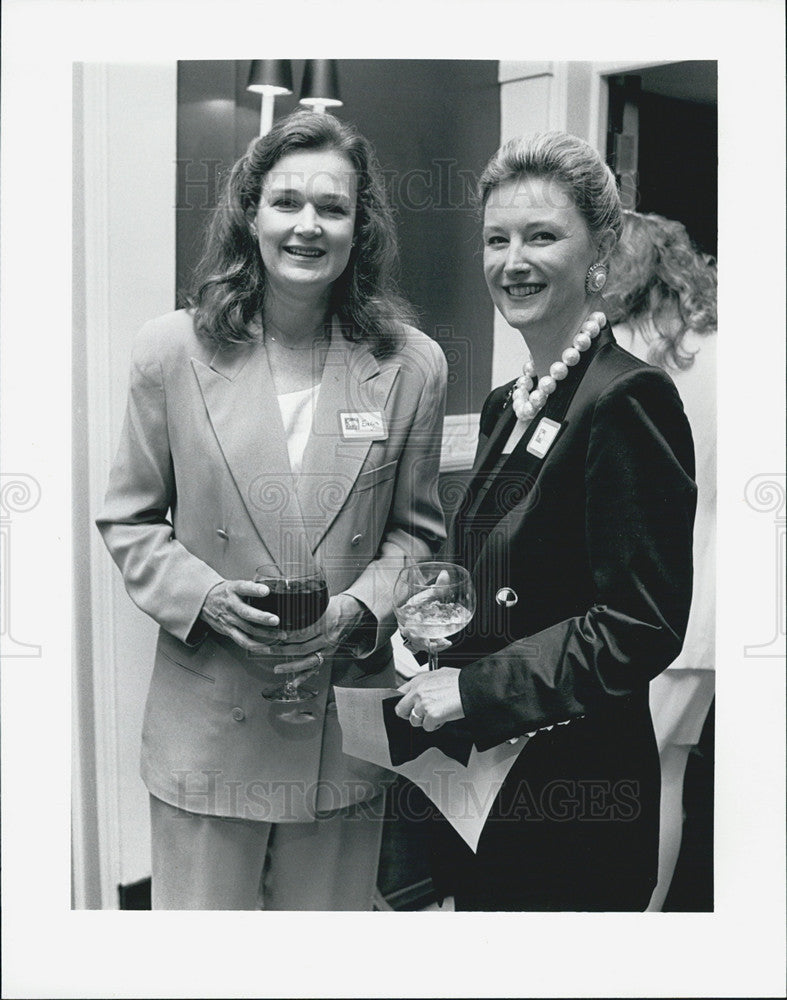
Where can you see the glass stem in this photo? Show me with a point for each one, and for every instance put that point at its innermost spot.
(432, 658)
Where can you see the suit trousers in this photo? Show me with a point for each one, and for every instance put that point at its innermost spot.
(221, 863)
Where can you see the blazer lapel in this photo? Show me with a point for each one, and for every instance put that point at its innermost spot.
(240, 399)
(352, 382)
(525, 465)
(484, 460)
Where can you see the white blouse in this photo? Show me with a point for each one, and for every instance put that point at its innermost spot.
(297, 414)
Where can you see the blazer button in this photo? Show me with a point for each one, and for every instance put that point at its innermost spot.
(356, 539)
(238, 714)
(222, 533)
(506, 597)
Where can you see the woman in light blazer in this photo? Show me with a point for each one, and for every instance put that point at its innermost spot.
(292, 408)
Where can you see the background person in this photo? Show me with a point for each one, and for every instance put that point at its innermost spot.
(661, 298)
(237, 451)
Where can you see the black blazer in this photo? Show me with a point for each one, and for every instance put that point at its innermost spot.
(582, 565)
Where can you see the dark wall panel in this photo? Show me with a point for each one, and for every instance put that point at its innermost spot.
(678, 164)
(433, 124)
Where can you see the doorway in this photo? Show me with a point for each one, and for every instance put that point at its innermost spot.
(662, 143)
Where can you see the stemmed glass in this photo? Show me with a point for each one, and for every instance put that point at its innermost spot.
(299, 597)
(433, 600)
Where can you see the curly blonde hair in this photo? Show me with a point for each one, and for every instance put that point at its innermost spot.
(660, 282)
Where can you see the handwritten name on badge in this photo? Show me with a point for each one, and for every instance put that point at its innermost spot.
(363, 426)
(545, 434)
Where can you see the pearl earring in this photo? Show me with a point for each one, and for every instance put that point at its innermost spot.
(596, 278)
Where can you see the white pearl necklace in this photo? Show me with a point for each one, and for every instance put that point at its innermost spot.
(527, 403)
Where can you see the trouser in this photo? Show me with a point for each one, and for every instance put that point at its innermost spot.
(680, 699)
(216, 863)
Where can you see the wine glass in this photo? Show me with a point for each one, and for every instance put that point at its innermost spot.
(299, 597)
(433, 600)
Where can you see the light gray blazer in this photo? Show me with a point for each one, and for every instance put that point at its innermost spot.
(201, 490)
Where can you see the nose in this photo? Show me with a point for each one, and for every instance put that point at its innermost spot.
(516, 261)
(308, 224)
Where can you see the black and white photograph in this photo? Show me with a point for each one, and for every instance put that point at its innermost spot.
(412, 547)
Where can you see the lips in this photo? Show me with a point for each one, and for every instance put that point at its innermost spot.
(524, 290)
(304, 253)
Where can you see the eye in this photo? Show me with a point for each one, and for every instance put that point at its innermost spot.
(284, 202)
(543, 236)
(494, 240)
(334, 208)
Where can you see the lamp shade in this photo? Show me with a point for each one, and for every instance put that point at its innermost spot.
(320, 83)
(270, 76)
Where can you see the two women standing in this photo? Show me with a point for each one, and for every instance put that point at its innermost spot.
(576, 528)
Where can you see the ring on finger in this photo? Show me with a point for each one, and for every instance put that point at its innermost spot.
(320, 657)
(416, 716)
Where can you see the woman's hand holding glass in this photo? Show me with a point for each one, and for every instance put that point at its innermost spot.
(432, 600)
(337, 628)
(227, 611)
(411, 639)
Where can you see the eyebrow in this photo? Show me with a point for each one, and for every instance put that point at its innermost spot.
(332, 197)
(273, 189)
(532, 224)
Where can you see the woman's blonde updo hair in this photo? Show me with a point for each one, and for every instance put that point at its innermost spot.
(568, 160)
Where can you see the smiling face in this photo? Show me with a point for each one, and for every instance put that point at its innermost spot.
(305, 220)
(537, 249)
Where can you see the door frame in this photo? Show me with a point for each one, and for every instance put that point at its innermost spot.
(599, 96)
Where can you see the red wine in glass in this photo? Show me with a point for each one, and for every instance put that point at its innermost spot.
(298, 603)
(299, 598)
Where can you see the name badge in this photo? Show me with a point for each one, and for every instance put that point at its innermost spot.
(545, 434)
(365, 426)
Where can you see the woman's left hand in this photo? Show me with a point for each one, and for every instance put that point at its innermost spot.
(311, 646)
(431, 699)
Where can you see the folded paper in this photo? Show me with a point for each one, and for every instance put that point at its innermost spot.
(461, 781)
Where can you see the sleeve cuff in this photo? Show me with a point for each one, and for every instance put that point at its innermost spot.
(362, 640)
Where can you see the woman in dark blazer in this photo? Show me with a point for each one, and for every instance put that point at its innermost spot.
(577, 528)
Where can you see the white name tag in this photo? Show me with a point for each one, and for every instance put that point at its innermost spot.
(545, 434)
(365, 426)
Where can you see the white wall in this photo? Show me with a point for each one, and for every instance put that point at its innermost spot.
(125, 179)
(532, 99)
